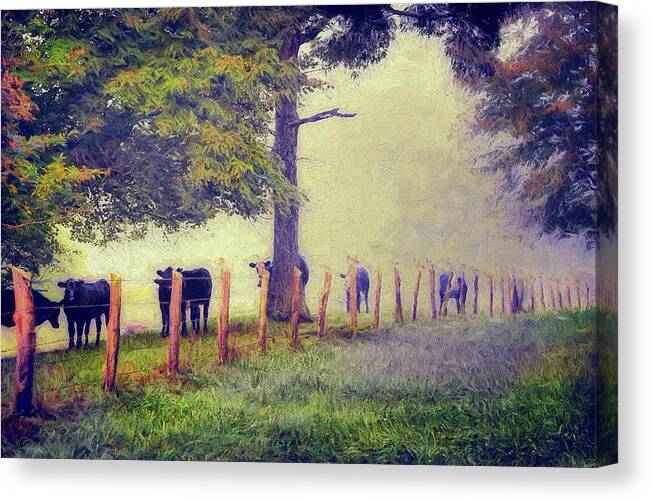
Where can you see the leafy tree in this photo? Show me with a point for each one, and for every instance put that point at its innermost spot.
(550, 97)
(142, 118)
(166, 113)
(39, 185)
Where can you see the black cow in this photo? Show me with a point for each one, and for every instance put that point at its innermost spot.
(45, 310)
(302, 265)
(363, 283)
(83, 302)
(450, 287)
(195, 292)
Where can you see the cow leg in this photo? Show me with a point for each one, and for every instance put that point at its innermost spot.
(194, 318)
(359, 297)
(71, 333)
(205, 317)
(366, 299)
(184, 329)
(86, 331)
(165, 316)
(98, 324)
(458, 305)
(79, 327)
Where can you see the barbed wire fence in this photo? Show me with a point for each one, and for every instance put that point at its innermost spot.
(519, 294)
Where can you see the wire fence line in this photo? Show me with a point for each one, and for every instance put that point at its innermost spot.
(518, 288)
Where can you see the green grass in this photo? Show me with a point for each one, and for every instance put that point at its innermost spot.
(448, 392)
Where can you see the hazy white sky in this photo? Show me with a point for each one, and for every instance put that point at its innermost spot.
(393, 184)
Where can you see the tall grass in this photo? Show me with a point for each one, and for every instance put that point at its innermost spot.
(449, 392)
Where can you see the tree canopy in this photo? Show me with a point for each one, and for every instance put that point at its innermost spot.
(116, 120)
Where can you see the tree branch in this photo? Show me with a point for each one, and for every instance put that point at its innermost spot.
(322, 115)
(403, 13)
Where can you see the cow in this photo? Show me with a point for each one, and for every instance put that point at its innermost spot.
(82, 302)
(363, 283)
(195, 292)
(44, 309)
(260, 265)
(450, 287)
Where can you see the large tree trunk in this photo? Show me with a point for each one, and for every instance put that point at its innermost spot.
(285, 252)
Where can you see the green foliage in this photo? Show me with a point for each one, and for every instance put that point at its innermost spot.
(139, 117)
(543, 97)
(520, 393)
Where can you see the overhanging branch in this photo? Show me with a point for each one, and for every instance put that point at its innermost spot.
(322, 115)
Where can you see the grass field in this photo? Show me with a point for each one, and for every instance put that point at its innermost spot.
(450, 392)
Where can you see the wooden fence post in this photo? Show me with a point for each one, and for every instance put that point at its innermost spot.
(542, 295)
(514, 298)
(224, 305)
(559, 295)
(568, 295)
(175, 323)
(376, 308)
(323, 303)
(578, 293)
(414, 309)
(113, 333)
(532, 299)
(490, 295)
(502, 296)
(432, 290)
(296, 298)
(463, 297)
(25, 320)
(475, 299)
(587, 295)
(262, 314)
(352, 292)
(398, 314)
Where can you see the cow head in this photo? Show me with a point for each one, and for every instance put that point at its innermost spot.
(53, 315)
(258, 267)
(165, 280)
(73, 290)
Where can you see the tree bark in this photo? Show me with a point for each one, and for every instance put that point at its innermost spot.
(285, 248)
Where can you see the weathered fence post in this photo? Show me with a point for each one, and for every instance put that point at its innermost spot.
(475, 299)
(175, 323)
(25, 320)
(352, 292)
(490, 295)
(224, 305)
(262, 314)
(568, 295)
(296, 298)
(398, 314)
(376, 308)
(113, 333)
(559, 295)
(532, 299)
(502, 296)
(577, 286)
(587, 295)
(463, 297)
(432, 290)
(542, 295)
(323, 303)
(514, 298)
(414, 309)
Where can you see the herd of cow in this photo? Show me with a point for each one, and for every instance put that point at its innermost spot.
(85, 302)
